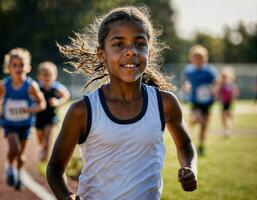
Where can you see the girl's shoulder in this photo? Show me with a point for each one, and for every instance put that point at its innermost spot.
(31, 82)
(58, 85)
(169, 100)
(171, 106)
(6, 80)
(78, 107)
(168, 97)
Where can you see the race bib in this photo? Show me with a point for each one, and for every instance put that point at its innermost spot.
(204, 93)
(14, 110)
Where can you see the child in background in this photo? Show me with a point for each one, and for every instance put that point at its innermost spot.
(56, 94)
(199, 81)
(21, 98)
(227, 91)
(119, 127)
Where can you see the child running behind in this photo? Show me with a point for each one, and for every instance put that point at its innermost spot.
(119, 127)
(227, 91)
(199, 80)
(56, 94)
(21, 98)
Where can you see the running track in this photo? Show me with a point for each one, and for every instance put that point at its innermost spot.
(7, 193)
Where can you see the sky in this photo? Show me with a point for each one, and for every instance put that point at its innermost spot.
(210, 16)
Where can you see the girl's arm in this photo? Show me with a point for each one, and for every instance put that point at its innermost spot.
(186, 152)
(73, 126)
(38, 97)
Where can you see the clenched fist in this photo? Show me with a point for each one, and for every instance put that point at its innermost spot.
(187, 178)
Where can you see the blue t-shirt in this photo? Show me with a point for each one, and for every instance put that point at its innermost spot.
(201, 81)
(15, 99)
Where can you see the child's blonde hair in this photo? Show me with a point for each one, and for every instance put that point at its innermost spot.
(198, 49)
(229, 73)
(83, 48)
(48, 66)
(21, 53)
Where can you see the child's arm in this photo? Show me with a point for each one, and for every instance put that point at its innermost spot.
(2, 93)
(187, 155)
(73, 126)
(2, 89)
(216, 89)
(63, 96)
(236, 91)
(38, 97)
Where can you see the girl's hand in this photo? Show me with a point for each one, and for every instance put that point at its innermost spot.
(26, 110)
(73, 197)
(187, 178)
(54, 102)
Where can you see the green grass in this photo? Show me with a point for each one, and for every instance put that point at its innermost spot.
(228, 171)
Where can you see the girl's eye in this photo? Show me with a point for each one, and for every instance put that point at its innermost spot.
(118, 44)
(17, 65)
(141, 44)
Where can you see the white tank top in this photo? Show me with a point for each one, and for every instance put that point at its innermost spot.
(123, 158)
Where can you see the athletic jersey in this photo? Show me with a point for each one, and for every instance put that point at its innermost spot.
(226, 92)
(15, 100)
(201, 81)
(123, 158)
(49, 113)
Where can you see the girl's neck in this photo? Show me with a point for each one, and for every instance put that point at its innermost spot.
(47, 86)
(123, 92)
(18, 81)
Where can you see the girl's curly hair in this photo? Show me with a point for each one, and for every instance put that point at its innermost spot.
(82, 51)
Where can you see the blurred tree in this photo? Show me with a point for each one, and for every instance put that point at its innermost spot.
(38, 25)
(240, 44)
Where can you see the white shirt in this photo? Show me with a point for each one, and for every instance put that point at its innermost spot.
(123, 158)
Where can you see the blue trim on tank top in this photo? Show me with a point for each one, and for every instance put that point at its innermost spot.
(126, 121)
(83, 136)
(160, 105)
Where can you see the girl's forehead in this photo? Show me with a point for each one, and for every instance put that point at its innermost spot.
(16, 59)
(46, 71)
(125, 29)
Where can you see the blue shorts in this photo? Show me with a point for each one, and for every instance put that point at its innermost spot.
(23, 131)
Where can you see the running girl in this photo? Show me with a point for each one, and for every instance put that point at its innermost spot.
(119, 127)
(21, 98)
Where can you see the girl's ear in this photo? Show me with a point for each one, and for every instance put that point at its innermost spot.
(101, 55)
(28, 68)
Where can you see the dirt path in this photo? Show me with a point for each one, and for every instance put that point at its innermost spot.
(6, 192)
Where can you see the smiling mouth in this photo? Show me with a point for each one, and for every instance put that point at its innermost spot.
(130, 66)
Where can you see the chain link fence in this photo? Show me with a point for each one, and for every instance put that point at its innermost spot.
(246, 79)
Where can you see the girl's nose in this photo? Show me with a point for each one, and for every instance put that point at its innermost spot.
(130, 51)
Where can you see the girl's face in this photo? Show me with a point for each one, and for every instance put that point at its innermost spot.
(46, 77)
(16, 67)
(125, 51)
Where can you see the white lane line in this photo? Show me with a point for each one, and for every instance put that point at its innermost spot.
(34, 187)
